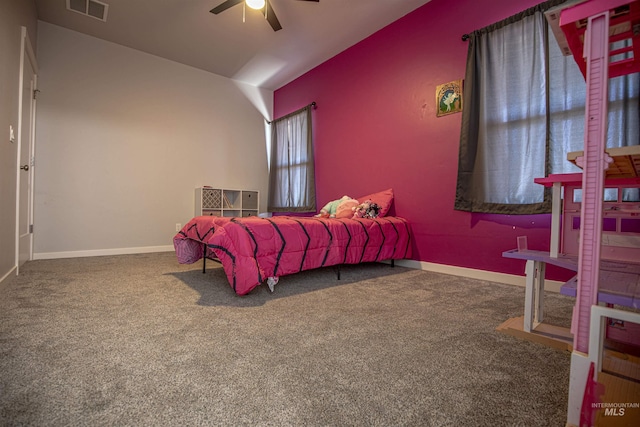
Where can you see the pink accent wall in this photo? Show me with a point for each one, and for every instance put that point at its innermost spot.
(376, 127)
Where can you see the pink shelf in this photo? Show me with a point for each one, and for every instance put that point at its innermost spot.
(575, 179)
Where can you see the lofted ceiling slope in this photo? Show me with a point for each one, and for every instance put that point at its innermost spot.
(250, 52)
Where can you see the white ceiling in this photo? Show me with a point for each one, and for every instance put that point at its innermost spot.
(251, 52)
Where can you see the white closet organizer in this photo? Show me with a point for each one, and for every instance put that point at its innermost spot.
(225, 202)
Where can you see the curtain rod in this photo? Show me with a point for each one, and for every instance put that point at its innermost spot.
(542, 7)
(313, 104)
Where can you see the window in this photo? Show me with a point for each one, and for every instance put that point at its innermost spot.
(524, 111)
(291, 166)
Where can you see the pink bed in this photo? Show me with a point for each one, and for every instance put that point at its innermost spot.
(255, 249)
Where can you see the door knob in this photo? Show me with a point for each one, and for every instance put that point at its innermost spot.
(25, 167)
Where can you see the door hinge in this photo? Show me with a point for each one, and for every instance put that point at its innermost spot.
(35, 93)
(30, 228)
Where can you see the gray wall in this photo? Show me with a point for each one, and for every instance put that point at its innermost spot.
(13, 15)
(122, 140)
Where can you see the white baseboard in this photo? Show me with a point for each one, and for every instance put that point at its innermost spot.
(9, 273)
(102, 252)
(491, 276)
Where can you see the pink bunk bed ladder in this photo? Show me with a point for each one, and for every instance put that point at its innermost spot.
(592, 178)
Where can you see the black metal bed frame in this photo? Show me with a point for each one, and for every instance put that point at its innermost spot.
(204, 261)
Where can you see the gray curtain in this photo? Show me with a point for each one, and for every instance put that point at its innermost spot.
(524, 111)
(291, 168)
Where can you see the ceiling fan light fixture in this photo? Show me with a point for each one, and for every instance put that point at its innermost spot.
(255, 4)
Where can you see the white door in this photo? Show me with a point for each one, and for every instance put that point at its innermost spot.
(26, 125)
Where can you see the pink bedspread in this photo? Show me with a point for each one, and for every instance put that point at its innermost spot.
(253, 249)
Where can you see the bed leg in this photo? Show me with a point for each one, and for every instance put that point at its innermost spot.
(204, 258)
(393, 264)
(338, 271)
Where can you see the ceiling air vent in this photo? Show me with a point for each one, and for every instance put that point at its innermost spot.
(92, 8)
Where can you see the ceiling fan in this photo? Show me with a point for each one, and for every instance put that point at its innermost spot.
(263, 5)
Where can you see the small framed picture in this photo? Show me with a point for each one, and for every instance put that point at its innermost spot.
(449, 98)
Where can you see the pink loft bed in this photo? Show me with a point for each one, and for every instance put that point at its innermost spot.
(591, 28)
(609, 272)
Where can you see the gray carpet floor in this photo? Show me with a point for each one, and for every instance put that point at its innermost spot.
(139, 340)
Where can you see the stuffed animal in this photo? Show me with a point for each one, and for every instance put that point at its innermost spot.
(367, 209)
(329, 210)
(345, 208)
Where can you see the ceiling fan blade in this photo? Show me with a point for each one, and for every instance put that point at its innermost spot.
(271, 17)
(224, 6)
